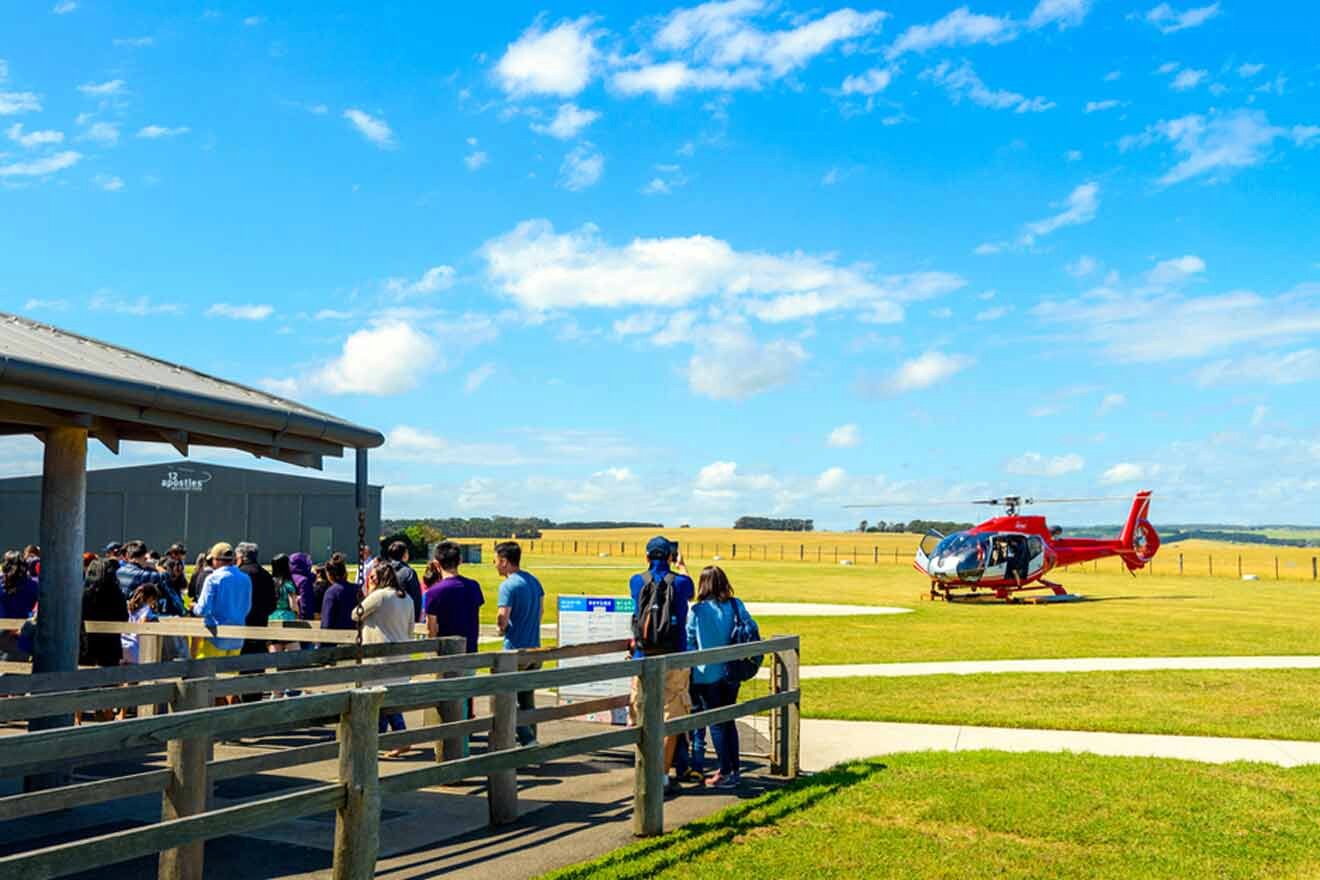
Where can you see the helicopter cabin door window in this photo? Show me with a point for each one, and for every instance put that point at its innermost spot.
(1009, 558)
(926, 549)
(1036, 554)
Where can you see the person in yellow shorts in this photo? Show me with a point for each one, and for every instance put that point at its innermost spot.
(224, 600)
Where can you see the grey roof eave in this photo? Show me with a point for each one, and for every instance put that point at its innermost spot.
(20, 373)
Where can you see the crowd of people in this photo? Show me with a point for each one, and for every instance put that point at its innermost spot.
(229, 586)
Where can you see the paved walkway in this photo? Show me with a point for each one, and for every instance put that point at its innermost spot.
(1070, 664)
(825, 743)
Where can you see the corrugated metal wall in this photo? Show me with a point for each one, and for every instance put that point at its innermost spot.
(200, 504)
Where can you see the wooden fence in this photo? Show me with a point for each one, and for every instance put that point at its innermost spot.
(187, 732)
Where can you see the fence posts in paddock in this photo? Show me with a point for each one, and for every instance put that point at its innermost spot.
(875, 560)
(502, 785)
(1315, 570)
(1180, 564)
(802, 552)
(649, 771)
(1276, 568)
(189, 789)
(1210, 561)
(357, 823)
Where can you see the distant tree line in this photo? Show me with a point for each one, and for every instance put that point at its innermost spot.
(771, 524)
(918, 526)
(429, 530)
(1237, 538)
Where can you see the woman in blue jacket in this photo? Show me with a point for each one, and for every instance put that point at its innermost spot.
(710, 625)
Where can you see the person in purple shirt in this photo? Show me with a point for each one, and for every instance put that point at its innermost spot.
(341, 597)
(304, 582)
(452, 602)
(18, 588)
(18, 595)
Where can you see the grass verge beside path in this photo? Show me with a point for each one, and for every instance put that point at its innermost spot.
(1255, 703)
(992, 814)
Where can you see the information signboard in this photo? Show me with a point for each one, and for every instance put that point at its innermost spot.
(585, 619)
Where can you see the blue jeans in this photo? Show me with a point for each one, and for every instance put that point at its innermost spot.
(714, 696)
(390, 721)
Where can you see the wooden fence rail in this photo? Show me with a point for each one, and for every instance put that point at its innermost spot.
(187, 732)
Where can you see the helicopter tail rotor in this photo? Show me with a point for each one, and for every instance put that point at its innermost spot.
(1138, 541)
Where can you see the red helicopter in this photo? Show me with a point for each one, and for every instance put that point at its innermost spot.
(1010, 553)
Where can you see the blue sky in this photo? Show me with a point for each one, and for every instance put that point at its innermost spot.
(690, 262)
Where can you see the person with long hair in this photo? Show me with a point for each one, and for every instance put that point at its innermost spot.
(710, 625)
(102, 600)
(341, 597)
(201, 568)
(320, 583)
(286, 599)
(386, 615)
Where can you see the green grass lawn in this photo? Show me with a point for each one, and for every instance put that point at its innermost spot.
(1265, 704)
(1147, 615)
(991, 814)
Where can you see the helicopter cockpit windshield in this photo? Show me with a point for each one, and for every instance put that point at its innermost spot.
(961, 556)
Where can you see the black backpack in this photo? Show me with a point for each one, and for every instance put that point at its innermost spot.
(655, 619)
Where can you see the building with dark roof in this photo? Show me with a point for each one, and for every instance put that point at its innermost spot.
(198, 504)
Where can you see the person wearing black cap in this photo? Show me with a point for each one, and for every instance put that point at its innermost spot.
(661, 596)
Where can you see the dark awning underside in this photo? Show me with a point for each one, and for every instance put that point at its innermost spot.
(50, 377)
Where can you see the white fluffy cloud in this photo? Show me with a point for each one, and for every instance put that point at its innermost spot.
(373, 128)
(1033, 464)
(382, 359)
(568, 122)
(1061, 13)
(13, 103)
(1288, 368)
(831, 480)
(719, 46)
(155, 132)
(433, 280)
(41, 167)
(728, 363)
(1082, 266)
(1188, 78)
(240, 312)
(103, 89)
(582, 168)
(722, 479)
(1098, 106)
(962, 82)
(104, 133)
(544, 269)
(959, 28)
(33, 139)
(1168, 273)
(1079, 208)
(1169, 20)
(868, 83)
(924, 371)
(844, 437)
(559, 61)
(407, 443)
(1216, 146)
(1151, 325)
(1124, 472)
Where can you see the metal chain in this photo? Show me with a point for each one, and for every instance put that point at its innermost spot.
(362, 546)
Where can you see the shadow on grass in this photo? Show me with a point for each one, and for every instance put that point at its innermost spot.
(754, 817)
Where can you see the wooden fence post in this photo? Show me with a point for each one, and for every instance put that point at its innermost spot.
(1239, 566)
(875, 560)
(502, 786)
(149, 652)
(1210, 560)
(649, 774)
(1180, 563)
(186, 794)
(451, 710)
(1276, 568)
(786, 723)
(357, 824)
(802, 552)
(1315, 574)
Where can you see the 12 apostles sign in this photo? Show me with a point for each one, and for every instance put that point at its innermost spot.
(185, 481)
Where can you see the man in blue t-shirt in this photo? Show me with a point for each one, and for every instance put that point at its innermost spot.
(519, 618)
(661, 554)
